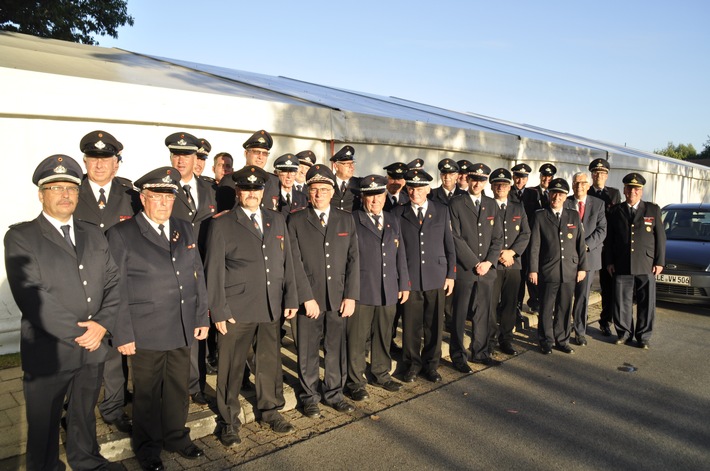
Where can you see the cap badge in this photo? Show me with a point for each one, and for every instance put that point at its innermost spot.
(251, 178)
(416, 178)
(558, 185)
(60, 169)
(633, 180)
(167, 179)
(446, 165)
(348, 153)
(479, 170)
(373, 184)
(181, 142)
(100, 145)
(501, 175)
(288, 162)
(399, 170)
(261, 140)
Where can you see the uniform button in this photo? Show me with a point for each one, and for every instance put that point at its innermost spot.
(384, 275)
(101, 225)
(84, 283)
(632, 250)
(263, 246)
(479, 223)
(480, 235)
(89, 317)
(423, 261)
(173, 259)
(480, 245)
(563, 257)
(422, 252)
(266, 258)
(327, 266)
(422, 243)
(268, 282)
(384, 254)
(329, 278)
(327, 255)
(384, 264)
(193, 224)
(182, 301)
(177, 272)
(190, 214)
(180, 287)
(81, 267)
(267, 270)
(88, 300)
(383, 244)
(327, 244)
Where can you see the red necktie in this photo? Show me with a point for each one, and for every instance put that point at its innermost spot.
(581, 210)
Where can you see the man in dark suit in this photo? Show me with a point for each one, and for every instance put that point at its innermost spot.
(395, 185)
(251, 284)
(195, 204)
(521, 172)
(327, 266)
(383, 282)
(516, 235)
(517, 194)
(591, 213)
(306, 160)
(558, 260)
(105, 200)
(202, 153)
(462, 181)
(637, 253)
(478, 239)
(431, 262)
(448, 173)
(290, 200)
(65, 283)
(611, 196)
(344, 167)
(163, 311)
(223, 166)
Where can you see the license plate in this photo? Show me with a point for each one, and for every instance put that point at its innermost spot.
(673, 279)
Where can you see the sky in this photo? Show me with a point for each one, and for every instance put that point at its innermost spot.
(629, 72)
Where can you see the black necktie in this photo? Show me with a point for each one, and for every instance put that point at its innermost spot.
(558, 216)
(102, 198)
(299, 187)
(66, 230)
(288, 199)
(190, 201)
(343, 187)
(162, 231)
(322, 219)
(632, 213)
(502, 207)
(394, 201)
(256, 225)
(449, 194)
(420, 215)
(377, 217)
(520, 194)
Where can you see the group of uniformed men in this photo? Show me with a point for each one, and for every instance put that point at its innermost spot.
(110, 270)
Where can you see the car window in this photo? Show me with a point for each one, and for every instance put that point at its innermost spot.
(686, 224)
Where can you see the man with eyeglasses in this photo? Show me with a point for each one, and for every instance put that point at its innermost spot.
(105, 200)
(290, 200)
(448, 174)
(66, 285)
(163, 311)
(344, 167)
(223, 165)
(327, 266)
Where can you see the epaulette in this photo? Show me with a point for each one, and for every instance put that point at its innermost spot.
(222, 213)
(18, 224)
(207, 179)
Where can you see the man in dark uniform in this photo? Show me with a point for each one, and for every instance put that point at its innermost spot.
(344, 167)
(65, 283)
(591, 213)
(202, 153)
(195, 204)
(105, 200)
(223, 165)
(395, 185)
(462, 181)
(290, 200)
(516, 235)
(517, 194)
(611, 196)
(521, 173)
(383, 282)
(431, 261)
(636, 254)
(448, 173)
(478, 240)
(557, 261)
(251, 284)
(537, 198)
(327, 267)
(163, 311)
(306, 160)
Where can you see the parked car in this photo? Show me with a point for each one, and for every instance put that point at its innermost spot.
(686, 276)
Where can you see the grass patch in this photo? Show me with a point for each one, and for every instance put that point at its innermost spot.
(11, 360)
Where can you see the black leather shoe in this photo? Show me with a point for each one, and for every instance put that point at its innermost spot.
(545, 349)
(508, 349)
(391, 386)
(643, 344)
(433, 376)
(122, 423)
(199, 398)
(210, 369)
(360, 394)
(462, 367)
(229, 436)
(281, 425)
(343, 406)
(604, 327)
(191, 452)
(488, 361)
(580, 340)
(564, 348)
(311, 410)
(410, 376)
(151, 464)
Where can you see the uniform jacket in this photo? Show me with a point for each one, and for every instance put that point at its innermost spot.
(55, 287)
(326, 260)
(299, 201)
(163, 294)
(557, 250)
(383, 271)
(634, 247)
(200, 219)
(438, 194)
(347, 201)
(516, 232)
(402, 199)
(534, 199)
(431, 256)
(477, 236)
(594, 224)
(513, 195)
(609, 195)
(249, 279)
(122, 202)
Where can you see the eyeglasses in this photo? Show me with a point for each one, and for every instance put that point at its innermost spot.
(61, 189)
(580, 183)
(314, 191)
(347, 164)
(264, 153)
(160, 196)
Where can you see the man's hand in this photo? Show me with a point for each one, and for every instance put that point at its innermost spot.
(403, 296)
(201, 332)
(610, 269)
(532, 277)
(222, 325)
(290, 313)
(581, 275)
(347, 307)
(507, 257)
(448, 286)
(657, 269)
(312, 309)
(127, 349)
(482, 268)
(91, 339)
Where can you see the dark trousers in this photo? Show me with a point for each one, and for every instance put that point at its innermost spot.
(423, 319)
(581, 304)
(474, 296)
(555, 311)
(644, 287)
(198, 371)
(234, 349)
(160, 401)
(44, 400)
(115, 380)
(332, 328)
(504, 305)
(533, 290)
(606, 282)
(369, 325)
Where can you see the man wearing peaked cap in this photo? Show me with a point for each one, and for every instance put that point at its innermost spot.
(289, 200)
(519, 193)
(448, 173)
(327, 265)
(521, 173)
(344, 167)
(158, 337)
(105, 200)
(384, 283)
(249, 263)
(558, 260)
(256, 152)
(431, 260)
(395, 184)
(202, 153)
(65, 283)
(416, 163)
(478, 237)
(599, 169)
(636, 254)
(464, 167)
(306, 159)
